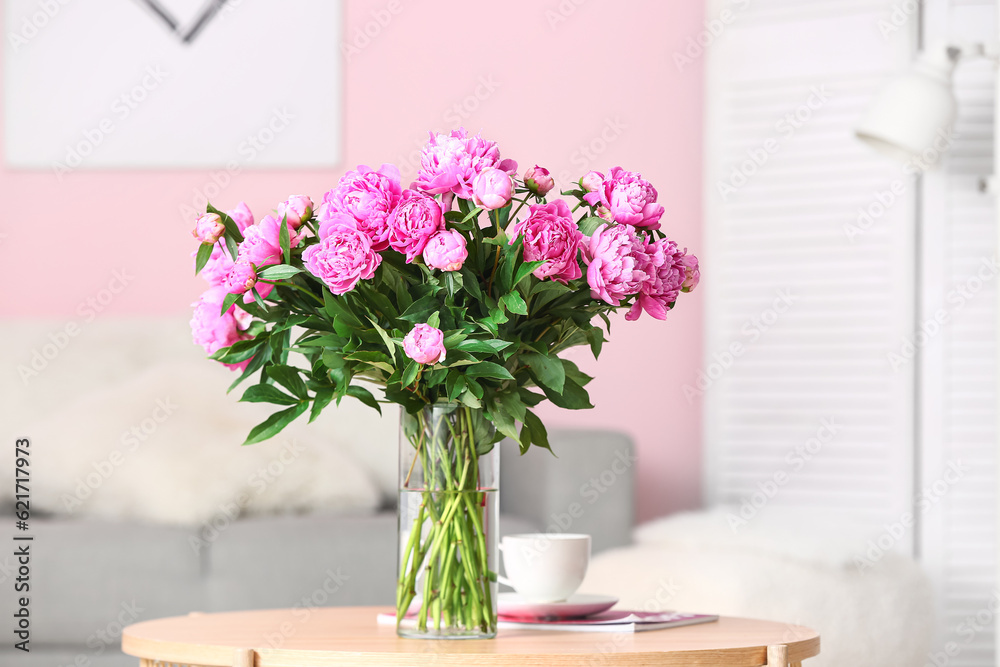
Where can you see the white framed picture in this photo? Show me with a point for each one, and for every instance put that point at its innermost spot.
(172, 84)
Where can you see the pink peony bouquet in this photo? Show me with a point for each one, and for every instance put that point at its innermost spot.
(462, 288)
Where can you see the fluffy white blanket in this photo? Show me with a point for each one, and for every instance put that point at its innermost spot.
(792, 567)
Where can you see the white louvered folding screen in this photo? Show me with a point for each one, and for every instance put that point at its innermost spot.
(959, 378)
(814, 297)
(918, 424)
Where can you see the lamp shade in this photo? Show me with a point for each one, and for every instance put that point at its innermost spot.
(915, 110)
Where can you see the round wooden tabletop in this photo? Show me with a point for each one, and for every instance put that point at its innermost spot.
(350, 636)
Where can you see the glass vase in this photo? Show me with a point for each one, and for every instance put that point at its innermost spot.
(449, 471)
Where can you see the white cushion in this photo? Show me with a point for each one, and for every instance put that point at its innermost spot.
(52, 369)
(165, 446)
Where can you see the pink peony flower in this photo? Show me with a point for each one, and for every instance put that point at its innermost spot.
(665, 275)
(451, 162)
(368, 196)
(425, 344)
(415, 219)
(492, 188)
(261, 244)
(214, 331)
(241, 278)
(295, 209)
(550, 235)
(629, 197)
(208, 228)
(616, 258)
(539, 180)
(241, 215)
(592, 181)
(344, 255)
(218, 265)
(446, 250)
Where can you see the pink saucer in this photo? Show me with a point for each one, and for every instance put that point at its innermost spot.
(511, 606)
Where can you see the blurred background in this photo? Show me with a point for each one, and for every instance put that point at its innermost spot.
(814, 429)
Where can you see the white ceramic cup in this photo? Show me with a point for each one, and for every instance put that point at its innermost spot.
(545, 567)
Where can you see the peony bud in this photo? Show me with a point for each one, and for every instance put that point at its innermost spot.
(539, 180)
(446, 251)
(425, 344)
(492, 189)
(209, 228)
(692, 274)
(297, 208)
(592, 181)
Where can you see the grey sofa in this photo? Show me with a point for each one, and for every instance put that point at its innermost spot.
(90, 578)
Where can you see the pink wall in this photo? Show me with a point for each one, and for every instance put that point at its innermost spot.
(571, 85)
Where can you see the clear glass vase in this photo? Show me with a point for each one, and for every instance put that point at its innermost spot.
(449, 471)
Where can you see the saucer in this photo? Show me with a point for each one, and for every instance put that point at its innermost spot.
(512, 605)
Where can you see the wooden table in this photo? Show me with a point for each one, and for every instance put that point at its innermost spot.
(349, 636)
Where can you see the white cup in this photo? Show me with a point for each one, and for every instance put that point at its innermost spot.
(545, 567)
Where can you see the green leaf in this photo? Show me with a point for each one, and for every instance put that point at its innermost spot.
(479, 346)
(257, 298)
(596, 339)
(453, 281)
(572, 397)
(279, 272)
(391, 346)
(284, 241)
(273, 424)
(503, 215)
(328, 340)
(420, 309)
(458, 358)
(503, 421)
(435, 319)
(574, 373)
(453, 339)
(379, 360)
(528, 397)
(525, 269)
(488, 369)
(547, 371)
(364, 396)
(511, 402)
(550, 286)
(267, 393)
(471, 284)
(589, 225)
(238, 351)
(320, 401)
(256, 363)
(204, 254)
(539, 435)
(333, 360)
(231, 246)
(409, 374)
(289, 378)
(454, 385)
(337, 308)
(514, 303)
(228, 301)
(470, 399)
(474, 386)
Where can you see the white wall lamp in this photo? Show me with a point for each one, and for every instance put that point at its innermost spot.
(915, 109)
